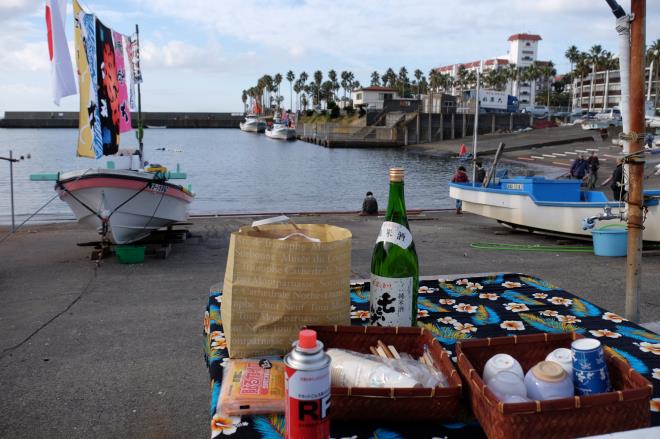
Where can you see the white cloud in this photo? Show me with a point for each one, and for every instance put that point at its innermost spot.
(10, 9)
(175, 54)
(355, 33)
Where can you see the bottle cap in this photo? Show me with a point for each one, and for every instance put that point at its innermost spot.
(396, 174)
(307, 339)
(548, 371)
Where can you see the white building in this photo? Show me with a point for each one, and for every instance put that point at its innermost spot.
(604, 91)
(523, 51)
(373, 97)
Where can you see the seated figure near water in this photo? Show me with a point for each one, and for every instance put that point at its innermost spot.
(369, 205)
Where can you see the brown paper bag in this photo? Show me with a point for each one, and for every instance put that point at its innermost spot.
(274, 286)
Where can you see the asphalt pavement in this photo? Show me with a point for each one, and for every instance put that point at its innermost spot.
(116, 350)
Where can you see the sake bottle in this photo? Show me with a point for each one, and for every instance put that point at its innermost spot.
(394, 265)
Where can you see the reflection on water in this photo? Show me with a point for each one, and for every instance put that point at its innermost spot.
(233, 172)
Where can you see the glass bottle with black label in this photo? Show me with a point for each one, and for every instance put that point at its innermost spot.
(394, 265)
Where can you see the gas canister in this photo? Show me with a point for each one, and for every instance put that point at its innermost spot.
(307, 388)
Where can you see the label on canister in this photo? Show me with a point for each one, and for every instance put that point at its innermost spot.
(307, 403)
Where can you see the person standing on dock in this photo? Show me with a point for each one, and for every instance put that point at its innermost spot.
(369, 205)
(480, 174)
(616, 182)
(593, 166)
(579, 167)
(460, 177)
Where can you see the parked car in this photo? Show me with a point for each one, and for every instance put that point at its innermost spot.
(540, 111)
(609, 114)
(580, 116)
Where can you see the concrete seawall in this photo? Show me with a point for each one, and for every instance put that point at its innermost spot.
(69, 119)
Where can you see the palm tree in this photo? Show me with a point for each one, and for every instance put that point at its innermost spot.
(332, 76)
(244, 98)
(347, 79)
(318, 78)
(418, 76)
(512, 74)
(297, 87)
(389, 78)
(290, 77)
(403, 80)
(375, 78)
(461, 80)
(422, 86)
(572, 54)
(546, 71)
(582, 69)
(277, 80)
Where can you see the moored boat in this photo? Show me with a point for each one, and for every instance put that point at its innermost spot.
(537, 204)
(253, 124)
(280, 130)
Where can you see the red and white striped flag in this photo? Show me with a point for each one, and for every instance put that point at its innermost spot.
(64, 83)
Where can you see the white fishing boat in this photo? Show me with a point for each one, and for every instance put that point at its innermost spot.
(127, 205)
(125, 202)
(281, 130)
(536, 204)
(253, 124)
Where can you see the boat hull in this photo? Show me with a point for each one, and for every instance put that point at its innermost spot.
(562, 217)
(253, 127)
(281, 133)
(134, 205)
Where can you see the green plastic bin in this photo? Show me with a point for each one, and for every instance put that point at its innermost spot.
(130, 254)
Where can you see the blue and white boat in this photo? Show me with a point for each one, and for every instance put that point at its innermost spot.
(538, 204)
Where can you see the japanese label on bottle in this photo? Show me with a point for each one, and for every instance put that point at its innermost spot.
(391, 301)
(395, 233)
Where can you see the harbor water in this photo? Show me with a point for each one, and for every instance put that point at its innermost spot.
(231, 172)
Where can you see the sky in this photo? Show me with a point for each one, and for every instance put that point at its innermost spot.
(198, 55)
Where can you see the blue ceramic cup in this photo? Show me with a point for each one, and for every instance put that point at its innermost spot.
(589, 367)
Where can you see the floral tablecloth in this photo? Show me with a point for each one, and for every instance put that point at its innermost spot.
(454, 310)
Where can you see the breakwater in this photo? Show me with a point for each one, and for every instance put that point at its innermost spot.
(69, 119)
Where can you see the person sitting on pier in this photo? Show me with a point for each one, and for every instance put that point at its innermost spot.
(369, 205)
(460, 177)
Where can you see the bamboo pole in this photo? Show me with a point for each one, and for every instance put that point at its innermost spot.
(636, 165)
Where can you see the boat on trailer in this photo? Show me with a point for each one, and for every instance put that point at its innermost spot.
(128, 205)
(537, 204)
(125, 202)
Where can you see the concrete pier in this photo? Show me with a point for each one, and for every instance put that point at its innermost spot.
(116, 351)
(69, 119)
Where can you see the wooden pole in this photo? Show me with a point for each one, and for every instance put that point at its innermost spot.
(636, 165)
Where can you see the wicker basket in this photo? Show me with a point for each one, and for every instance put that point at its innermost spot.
(415, 404)
(626, 408)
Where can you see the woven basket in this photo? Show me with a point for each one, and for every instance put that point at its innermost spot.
(415, 404)
(626, 408)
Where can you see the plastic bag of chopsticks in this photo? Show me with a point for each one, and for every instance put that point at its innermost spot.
(389, 369)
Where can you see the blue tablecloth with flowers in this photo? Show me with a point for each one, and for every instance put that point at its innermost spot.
(454, 310)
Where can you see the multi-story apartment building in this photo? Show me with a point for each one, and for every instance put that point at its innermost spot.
(602, 90)
(523, 51)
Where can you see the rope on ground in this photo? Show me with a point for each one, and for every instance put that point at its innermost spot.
(85, 289)
(27, 219)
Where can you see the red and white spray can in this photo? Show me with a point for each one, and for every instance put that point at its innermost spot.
(307, 384)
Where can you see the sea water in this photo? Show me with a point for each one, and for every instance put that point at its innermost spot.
(231, 171)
